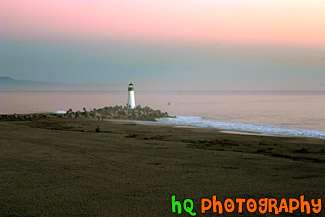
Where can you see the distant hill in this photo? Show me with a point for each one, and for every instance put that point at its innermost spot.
(8, 83)
(11, 81)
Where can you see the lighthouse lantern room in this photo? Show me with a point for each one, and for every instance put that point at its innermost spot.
(131, 100)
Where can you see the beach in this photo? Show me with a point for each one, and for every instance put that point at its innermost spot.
(65, 167)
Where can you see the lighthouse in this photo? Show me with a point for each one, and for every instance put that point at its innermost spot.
(131, 100)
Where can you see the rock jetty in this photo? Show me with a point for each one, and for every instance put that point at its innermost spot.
(116, 112)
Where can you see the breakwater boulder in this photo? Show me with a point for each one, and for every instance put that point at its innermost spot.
(121, 113)
(112, 112)
(28, 117)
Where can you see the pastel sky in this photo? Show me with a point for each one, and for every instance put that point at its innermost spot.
(231, 44)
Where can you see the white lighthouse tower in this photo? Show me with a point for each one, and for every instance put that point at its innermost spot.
(131, 100)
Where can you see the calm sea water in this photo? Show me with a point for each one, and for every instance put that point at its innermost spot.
(281, 110)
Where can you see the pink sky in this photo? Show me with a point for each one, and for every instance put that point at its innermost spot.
(291, 22)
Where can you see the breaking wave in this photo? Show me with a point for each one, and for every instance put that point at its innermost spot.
(270, 130)
(60, 112)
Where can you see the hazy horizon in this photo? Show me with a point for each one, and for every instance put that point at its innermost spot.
(169, 45)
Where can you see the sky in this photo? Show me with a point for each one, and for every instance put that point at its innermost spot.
(166, 45)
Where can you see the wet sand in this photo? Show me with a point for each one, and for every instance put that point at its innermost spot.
(63, 167)
(246, 133)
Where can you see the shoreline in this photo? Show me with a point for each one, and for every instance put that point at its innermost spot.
(248, 128)
(155, 121)
(154, 117)
(234, 132)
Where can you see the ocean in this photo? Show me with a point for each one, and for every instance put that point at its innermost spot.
(286, 113)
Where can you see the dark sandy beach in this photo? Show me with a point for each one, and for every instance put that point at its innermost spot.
(63, 167)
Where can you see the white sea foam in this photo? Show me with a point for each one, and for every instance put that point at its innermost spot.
(199, 122)
(60, 112)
